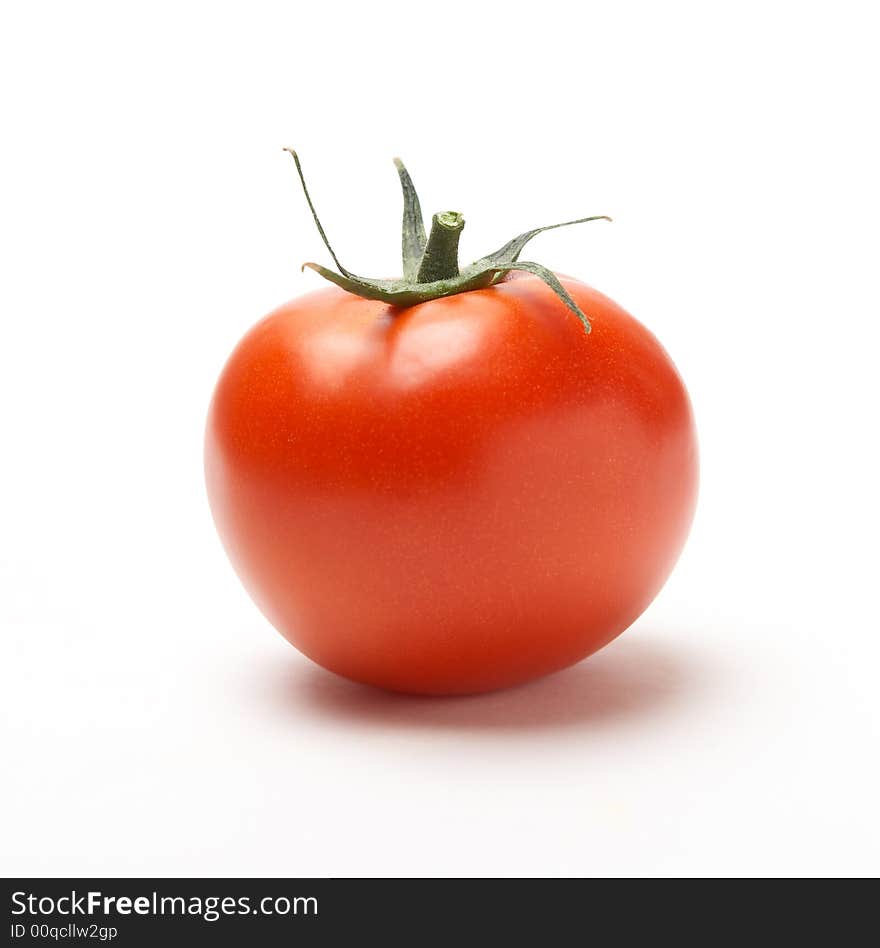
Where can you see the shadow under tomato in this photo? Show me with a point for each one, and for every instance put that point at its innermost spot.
(632, 677)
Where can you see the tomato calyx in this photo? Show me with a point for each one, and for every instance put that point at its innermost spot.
(430, 263)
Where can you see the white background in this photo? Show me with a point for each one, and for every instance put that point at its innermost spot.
(154, 721)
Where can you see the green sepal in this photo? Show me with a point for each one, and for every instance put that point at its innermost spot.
(513, 248)
(414, 239)
(549, 277)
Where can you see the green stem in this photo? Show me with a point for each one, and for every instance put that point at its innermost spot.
(430, 269)
(440, 259)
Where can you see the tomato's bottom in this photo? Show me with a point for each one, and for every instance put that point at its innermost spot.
(446, 666)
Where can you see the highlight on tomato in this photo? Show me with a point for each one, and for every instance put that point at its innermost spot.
(454, 481)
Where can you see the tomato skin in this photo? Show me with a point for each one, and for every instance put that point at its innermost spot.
(455, 497)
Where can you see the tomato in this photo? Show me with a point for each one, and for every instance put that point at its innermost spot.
(455, 496)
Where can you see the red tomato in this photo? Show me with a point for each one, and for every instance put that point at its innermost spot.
(457, 496)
